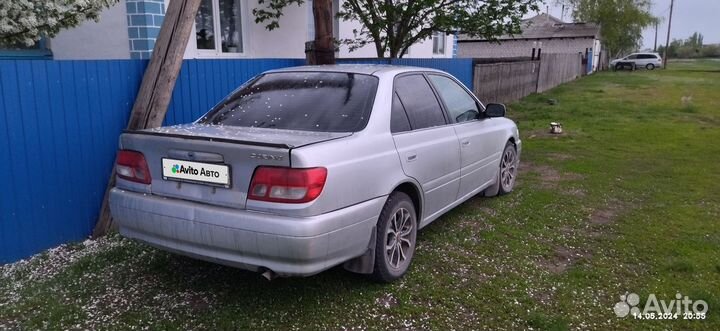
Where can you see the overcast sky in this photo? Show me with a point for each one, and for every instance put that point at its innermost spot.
(688, 16)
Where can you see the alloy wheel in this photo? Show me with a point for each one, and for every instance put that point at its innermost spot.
(508, 169)
(399, 241)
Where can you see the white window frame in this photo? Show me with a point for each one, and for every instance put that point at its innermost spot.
(439, 39)
(217, 52)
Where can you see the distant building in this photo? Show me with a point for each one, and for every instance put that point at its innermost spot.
(544, 32)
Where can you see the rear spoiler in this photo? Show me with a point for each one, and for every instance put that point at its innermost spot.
(206, 138)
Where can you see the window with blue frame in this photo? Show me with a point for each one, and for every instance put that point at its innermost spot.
(40, 50)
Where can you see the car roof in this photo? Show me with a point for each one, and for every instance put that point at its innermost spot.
(367, 69)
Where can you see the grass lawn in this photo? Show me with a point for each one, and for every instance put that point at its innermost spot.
(627, 200)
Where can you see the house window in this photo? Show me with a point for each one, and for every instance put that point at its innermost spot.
(218, 26)
(438, 39)
(39, 50)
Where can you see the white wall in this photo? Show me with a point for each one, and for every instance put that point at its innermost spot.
(422, 49)
(107, 39)
(288, 41)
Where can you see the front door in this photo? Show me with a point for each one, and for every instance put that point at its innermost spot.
(478, 136)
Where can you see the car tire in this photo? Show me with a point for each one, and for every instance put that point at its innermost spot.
(509, 166)
(650, 66)
(619, 66)
(396, 237)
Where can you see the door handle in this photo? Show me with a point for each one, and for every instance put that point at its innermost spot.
(466, 143)
(412, 157)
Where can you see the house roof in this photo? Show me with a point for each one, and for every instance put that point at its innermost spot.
(546, 26)
(543, 19)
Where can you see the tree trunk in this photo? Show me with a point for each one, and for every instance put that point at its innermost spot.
(323, 51)
(379, 49)
(158, 82)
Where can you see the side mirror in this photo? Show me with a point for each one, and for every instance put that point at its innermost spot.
(495, 110)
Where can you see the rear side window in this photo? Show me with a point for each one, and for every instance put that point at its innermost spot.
(421, 105)
(399, 121)
(308, 101)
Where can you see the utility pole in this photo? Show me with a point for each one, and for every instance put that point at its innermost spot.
(323, 51)
(157, 85)
(667, 41)
(655, 47)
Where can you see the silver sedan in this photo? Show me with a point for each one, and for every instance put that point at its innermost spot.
(302, 169)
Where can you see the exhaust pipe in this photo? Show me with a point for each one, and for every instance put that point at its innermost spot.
(269, 275)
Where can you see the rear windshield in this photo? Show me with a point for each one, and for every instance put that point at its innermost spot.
(309, 101)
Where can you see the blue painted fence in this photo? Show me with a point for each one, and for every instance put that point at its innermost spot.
(59, 124)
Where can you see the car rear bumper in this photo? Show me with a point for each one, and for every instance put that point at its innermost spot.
(245, 239)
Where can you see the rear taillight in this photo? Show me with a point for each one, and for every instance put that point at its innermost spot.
(277, 184)
(131, 165)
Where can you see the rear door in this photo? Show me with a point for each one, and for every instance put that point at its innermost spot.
(480, 139)
(428, 148)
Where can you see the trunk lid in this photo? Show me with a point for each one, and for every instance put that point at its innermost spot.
(241, 149)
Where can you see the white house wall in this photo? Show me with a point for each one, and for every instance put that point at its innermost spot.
(106, 39)
(288, 41)
(422, 49)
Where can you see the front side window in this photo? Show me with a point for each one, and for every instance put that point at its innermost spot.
(420, 103)
(308, 101)
(459, 104)
(438, 39)
(218, 26)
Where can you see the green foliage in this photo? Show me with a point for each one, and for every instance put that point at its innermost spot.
(621, 21)
(24, 22)
(690, 48)
(393, 26)
(710, 51)
(271, 13)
